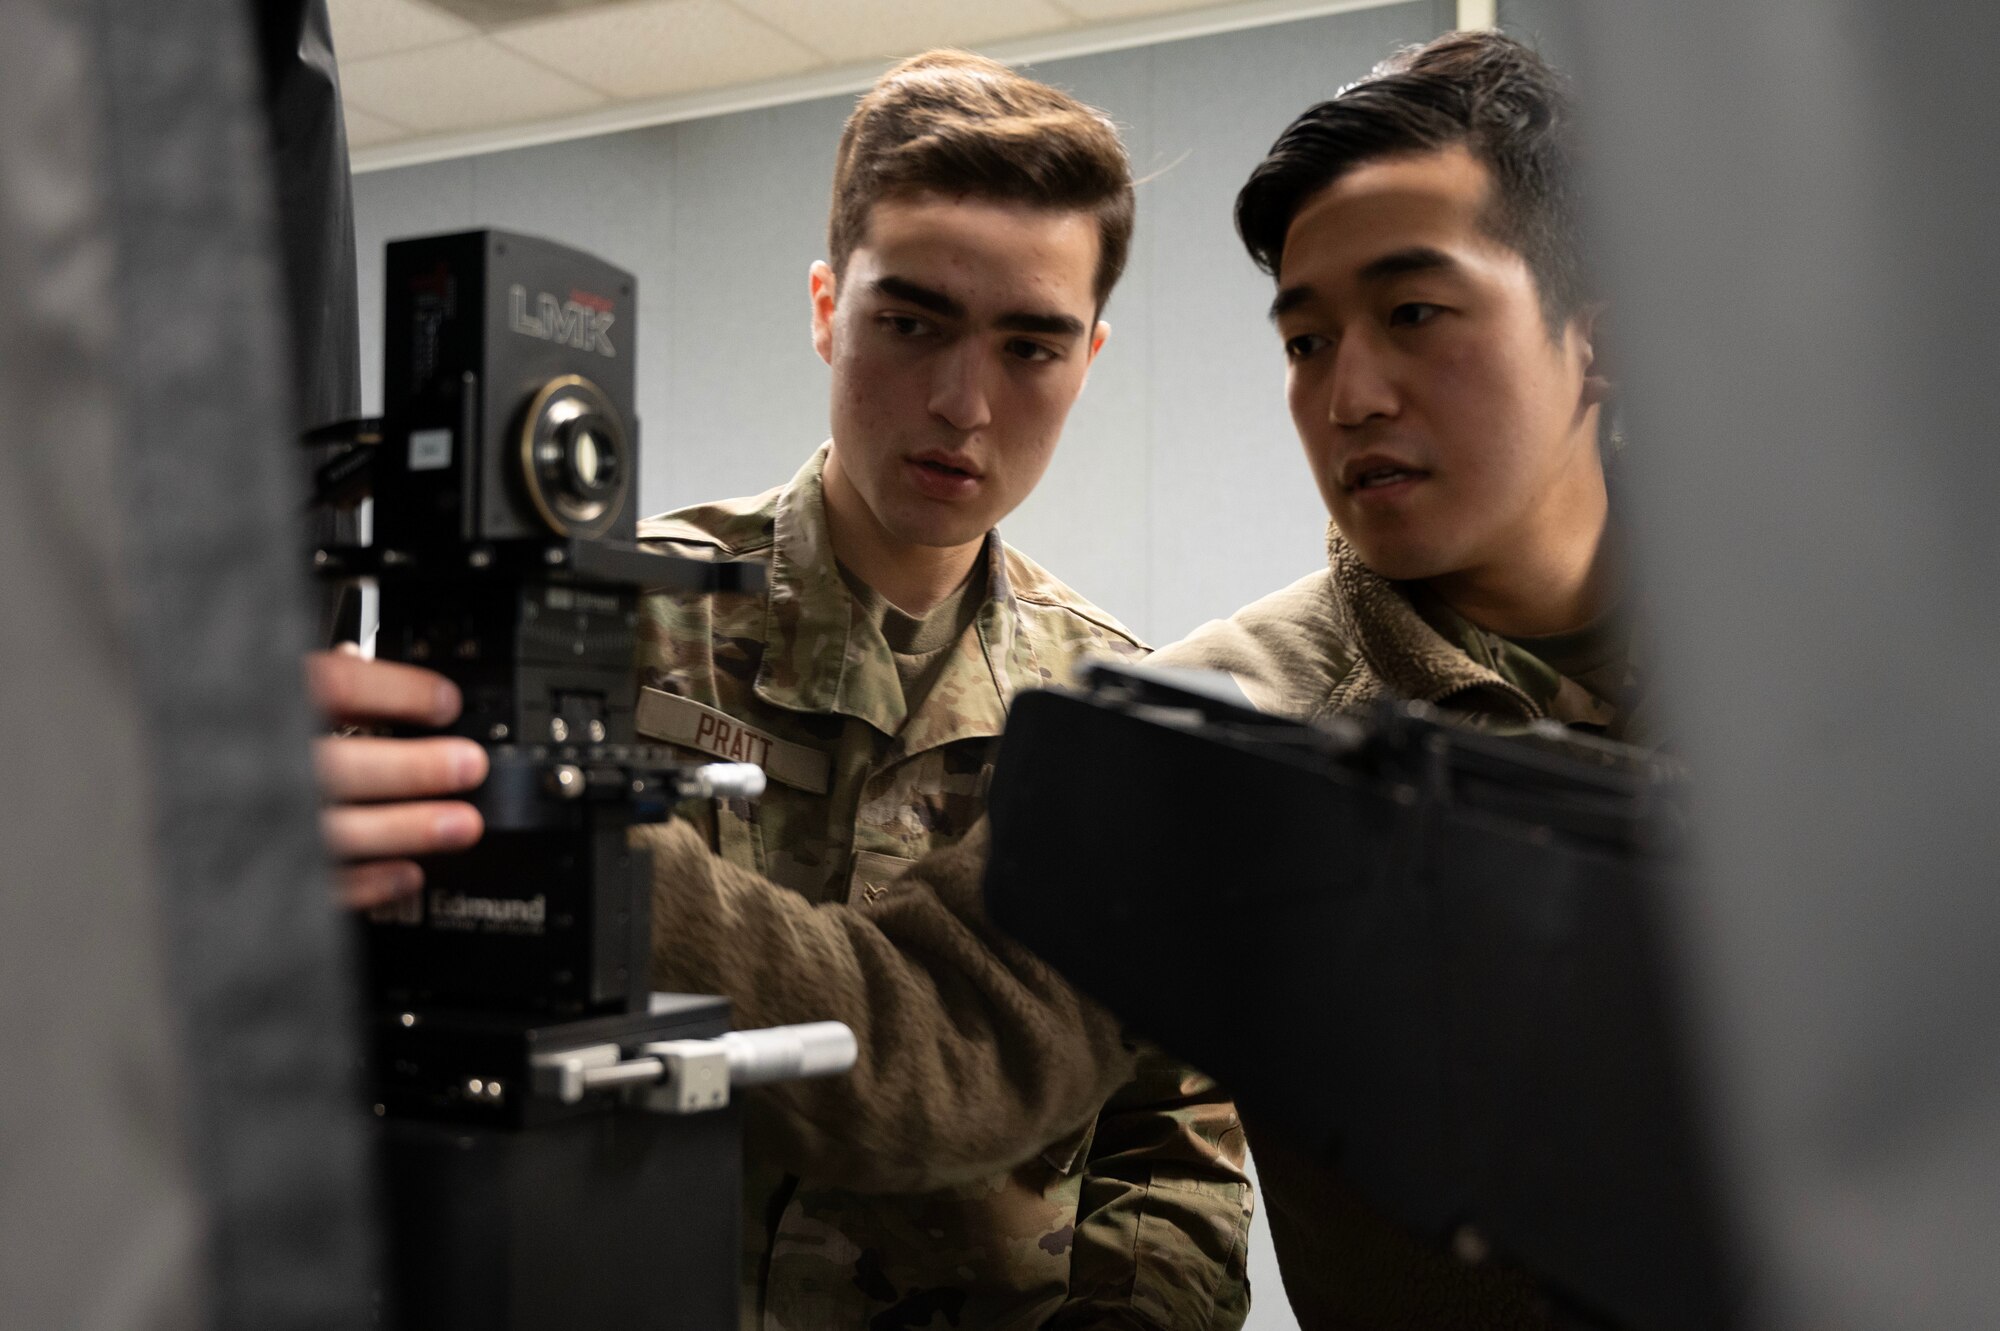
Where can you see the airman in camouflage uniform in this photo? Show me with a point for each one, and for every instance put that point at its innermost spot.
(1441, 332)
(1138, 1216)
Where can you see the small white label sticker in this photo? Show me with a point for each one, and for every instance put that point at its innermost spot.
(430, 450)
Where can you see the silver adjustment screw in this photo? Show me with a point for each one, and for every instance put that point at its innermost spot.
(596, 732)
(480, 558)
(499, 732)
(554, 555)
(558, 729)
(568, 780)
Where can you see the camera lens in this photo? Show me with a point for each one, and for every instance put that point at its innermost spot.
(573, 451)
(593, 458)
(583, 457)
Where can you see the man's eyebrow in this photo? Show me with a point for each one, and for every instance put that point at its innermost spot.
(1057, 325)
(1019, 321)
(901, 288)
(1416, 259)
(1290, 299)
(1399, 263)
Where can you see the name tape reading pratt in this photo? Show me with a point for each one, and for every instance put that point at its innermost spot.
(672, 719)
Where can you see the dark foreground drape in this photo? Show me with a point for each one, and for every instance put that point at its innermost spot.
(181, 1148)
(1801, 204)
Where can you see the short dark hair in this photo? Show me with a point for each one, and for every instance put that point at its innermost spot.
(1481, 90)
(953, 123)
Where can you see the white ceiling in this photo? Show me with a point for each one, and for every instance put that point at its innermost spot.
(432, 78)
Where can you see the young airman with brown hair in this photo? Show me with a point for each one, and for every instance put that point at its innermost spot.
(978, 224)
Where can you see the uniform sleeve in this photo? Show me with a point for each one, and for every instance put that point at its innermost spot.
(973, 1053)
(1163, 1217)
(1285, 651)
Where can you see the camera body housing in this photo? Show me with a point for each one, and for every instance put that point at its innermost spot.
(508, 392)
(505, 488)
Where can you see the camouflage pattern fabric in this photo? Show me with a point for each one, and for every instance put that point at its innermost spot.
(1137, 1217)
(1344, 637)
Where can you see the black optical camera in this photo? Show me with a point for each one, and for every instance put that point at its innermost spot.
(559, 1144)
(504, 474)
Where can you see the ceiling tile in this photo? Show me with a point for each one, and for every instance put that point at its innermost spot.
(660, 47)
(1105, 11)
(866, 29)
(468, 84)
(366, 131)
(364, 28)
(489, 14)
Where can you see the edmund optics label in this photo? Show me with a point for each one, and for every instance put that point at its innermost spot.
(507, 915)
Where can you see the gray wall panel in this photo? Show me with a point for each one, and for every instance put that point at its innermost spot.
(735, 396)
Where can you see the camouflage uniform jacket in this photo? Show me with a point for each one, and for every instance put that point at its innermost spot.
(1331, 643)
(1340, 638)
(1138, 1217)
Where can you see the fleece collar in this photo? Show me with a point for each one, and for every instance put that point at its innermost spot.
(1401, 654)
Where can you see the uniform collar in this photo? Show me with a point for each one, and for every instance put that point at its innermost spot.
(1419, 657)
(1425, 651)
(820, 655)
(1554, 694)
(989, 663)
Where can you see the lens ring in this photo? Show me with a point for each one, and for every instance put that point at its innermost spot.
(567, 418)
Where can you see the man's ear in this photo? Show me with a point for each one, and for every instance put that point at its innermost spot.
(820, 282)
(1590, 327)
(1098, 336)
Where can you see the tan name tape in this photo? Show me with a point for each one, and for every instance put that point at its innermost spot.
(672, 719)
